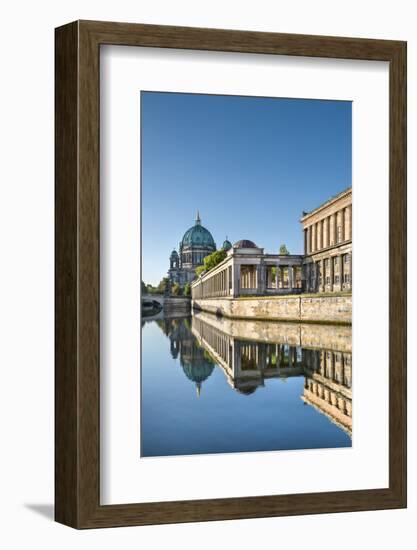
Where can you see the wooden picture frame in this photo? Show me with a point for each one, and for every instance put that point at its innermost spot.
(77, 382)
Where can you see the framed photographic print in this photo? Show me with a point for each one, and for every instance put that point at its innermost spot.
(230, 274)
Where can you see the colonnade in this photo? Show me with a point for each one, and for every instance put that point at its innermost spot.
(331, 230)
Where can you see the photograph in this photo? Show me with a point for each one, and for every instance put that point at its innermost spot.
(246, 274)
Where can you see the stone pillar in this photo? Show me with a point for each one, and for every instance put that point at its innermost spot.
(325, 232)
(290, 276)
(341, 270)
(313, 238)
(236, 280)
(331, 269)
(332, 229)
(322, 284)
(348, 223)
(260, 278)
(339, 223)
(305, 241)
(281, 276)
(319, 235)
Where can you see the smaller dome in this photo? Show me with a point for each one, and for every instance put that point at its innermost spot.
(227, 245)
(244, 243)
(174, 254)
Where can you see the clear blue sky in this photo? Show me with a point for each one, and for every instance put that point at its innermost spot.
(250, 165)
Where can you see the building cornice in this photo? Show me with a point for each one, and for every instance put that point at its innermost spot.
(326, 204)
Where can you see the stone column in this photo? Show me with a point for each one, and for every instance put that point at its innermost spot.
(313, 238)
(281, 276)
(236, 280)
(348, 222)
(339, 223)
(260, 276)
(341, 270)
(290, 276)
(325, 232)
(331, 269)
(331, 229)
(319, 235)
(322, 284)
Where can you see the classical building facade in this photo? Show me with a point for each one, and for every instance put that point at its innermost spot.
(247, 270)
(328, 245)
(325, 266)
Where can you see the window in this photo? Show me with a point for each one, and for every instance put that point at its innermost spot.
(326, 262)
(346, 258)
(336, 261)
(346, 278)
(327, 280)
(336, 279)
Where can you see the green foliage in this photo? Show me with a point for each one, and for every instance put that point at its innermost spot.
(176, 289)
(214, 259)
(162, 287)
(283, 250)
(187, 289)
(199, 270)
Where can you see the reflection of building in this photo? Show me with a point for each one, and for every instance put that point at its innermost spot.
(247, 364)
(324, 266)
(195, 362)
(196, 244)
(328, 386)
(328, 245)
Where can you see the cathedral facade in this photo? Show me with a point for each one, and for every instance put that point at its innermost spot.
(196, 244)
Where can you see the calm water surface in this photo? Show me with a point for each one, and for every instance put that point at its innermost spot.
(211, 385)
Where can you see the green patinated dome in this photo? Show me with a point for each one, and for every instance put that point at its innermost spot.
(198, 372)
(227, 245)
(198, 236)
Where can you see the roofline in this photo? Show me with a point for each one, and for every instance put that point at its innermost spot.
(327, 203)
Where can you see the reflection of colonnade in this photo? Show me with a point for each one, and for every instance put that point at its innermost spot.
(328, 385)
(247, 364)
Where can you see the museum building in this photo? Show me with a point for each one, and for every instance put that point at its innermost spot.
(325, 265)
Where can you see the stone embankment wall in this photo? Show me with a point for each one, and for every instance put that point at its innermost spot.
(327, 309)
(177, 306)
(306, 335)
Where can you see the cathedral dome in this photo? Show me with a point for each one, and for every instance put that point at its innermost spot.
(174, 255)
(198, 236)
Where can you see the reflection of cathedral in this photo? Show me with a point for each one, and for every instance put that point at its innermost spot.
(195, 361)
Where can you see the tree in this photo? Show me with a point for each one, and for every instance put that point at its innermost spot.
(176, 289)
(163, 286)
(187, 289)
(211, 261)
(283, 250)
(144, 288)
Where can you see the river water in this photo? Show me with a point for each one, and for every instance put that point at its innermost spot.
(211, 385)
